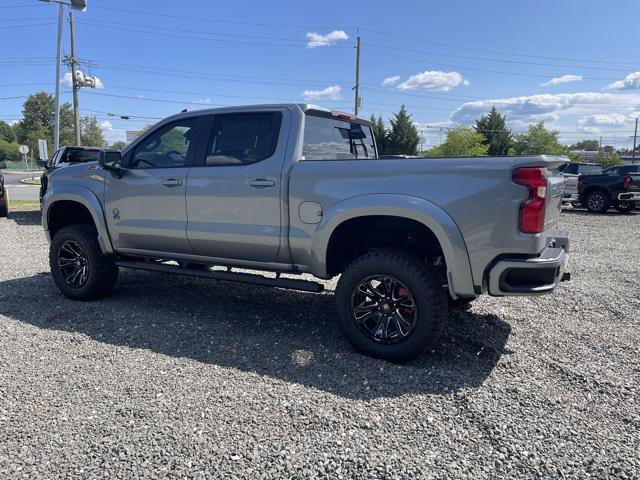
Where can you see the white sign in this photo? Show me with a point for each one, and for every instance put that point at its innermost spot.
(42, 150)
(23, 149)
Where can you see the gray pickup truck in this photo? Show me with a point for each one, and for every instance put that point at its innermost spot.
(298, 189)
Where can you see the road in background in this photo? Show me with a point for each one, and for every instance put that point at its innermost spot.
(20, 191)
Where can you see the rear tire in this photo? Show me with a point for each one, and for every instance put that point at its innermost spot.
(404, 314)
(597, 201)
(624, 207)
(78, 266)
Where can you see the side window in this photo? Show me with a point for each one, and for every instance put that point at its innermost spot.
(331, 139)
(166, 147)
(243, 138)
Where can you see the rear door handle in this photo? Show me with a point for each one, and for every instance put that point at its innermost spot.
(172, 182)
(262, 183)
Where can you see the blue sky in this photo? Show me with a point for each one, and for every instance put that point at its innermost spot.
(574, 64)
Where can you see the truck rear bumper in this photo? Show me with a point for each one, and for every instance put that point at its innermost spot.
(531, 276)
(629, 196)
(570, 197)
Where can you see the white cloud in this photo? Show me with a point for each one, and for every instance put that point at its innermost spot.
(329, 93)
(534, 108)
(562, 79)
(318, 40)
(435, 81)
(391, 80)
(66, 81)
(201, 100)
(629, 82)
(607, 119)
(106, 125)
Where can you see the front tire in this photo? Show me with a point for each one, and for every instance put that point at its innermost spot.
(78, 266)
(597, 202)
(391, 305)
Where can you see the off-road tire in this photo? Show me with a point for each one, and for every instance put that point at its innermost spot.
(102, 270)
(597, 201)
(624, 207)
(423, 283)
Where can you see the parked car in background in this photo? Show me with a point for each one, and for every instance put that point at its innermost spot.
(571, 173)
(600, 192)
(4, 198)
(296, 189)
(632, 195)
(65, 156)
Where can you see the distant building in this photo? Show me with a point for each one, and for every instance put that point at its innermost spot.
(585, 155)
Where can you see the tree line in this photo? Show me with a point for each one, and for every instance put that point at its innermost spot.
(37, 122)
(489, 136)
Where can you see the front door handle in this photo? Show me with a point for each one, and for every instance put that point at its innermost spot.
(172, 182)
(262, 183)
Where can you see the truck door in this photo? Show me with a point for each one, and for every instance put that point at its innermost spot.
(145, 209)
(234, 188)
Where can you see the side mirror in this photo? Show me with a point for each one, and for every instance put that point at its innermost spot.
(42, 163)
(111, 160)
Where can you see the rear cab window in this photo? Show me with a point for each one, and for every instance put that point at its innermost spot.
(76, 155)
(331, 138)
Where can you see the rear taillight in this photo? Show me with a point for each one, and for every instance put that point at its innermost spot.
(531, 219)
(627, 181)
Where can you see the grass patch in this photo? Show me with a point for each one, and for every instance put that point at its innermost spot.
(23, 204)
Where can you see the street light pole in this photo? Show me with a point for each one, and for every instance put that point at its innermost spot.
(56, 131)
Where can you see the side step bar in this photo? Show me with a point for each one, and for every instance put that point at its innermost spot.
(304, 285)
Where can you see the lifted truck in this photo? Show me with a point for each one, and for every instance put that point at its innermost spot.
(296, 189)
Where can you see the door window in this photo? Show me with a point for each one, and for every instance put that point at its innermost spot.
(166, 147)
(243, 138)
(333, 139)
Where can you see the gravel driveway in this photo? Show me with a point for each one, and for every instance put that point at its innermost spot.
(187, 378)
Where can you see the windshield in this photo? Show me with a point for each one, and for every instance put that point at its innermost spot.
(333, 139)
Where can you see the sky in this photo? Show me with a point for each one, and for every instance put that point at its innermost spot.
(573, 64)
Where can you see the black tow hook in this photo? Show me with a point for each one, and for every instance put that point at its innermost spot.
(566, 276)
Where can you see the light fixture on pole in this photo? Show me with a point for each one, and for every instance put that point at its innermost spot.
(76, 5)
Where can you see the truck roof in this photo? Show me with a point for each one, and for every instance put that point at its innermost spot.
(305, 107)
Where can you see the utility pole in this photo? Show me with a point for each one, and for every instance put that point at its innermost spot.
(56, 130)
(73, 61)
(358, 100)
(635, 137)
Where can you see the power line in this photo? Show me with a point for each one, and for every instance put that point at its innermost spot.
(28, 26)
(498, 60)
(499, 52)
(201, 19)
(465, 67)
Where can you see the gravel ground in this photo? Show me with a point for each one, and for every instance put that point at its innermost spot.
(186, 378)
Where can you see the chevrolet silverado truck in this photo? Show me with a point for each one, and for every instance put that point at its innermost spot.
(297, 189)
(600, 192)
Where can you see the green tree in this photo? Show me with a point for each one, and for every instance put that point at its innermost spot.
(607, 159)
(37, 122)
(8, 152)
(493, 128)
(380, 133)
(403, 139)
(6, 132)
(589, 145)
(119, 145)
(91, 133)
(538, 141)
(461, 142)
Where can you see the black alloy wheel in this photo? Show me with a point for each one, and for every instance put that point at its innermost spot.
(384, 309)
(73, 264)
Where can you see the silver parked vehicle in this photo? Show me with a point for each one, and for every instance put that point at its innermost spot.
(299, 189)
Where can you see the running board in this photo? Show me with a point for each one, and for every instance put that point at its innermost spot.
(290, 283)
